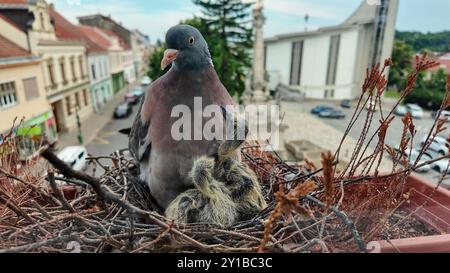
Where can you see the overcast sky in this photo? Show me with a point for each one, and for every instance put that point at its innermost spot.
(154, 17)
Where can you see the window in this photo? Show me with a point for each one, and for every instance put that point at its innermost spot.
(68, 106)
(296, 62)
(31, 88)
(102, 68)
(8, 96)
(72, 67)
(62, 66)
(85, 95)
(51, 72)
(94, 77)
(77, 100)
(332, 64)
(80, 62)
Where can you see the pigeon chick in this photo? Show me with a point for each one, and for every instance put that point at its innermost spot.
(164, 162)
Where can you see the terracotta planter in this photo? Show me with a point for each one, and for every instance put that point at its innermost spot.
(436, 214)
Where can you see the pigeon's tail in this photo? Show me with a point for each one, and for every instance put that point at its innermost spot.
(126, 131)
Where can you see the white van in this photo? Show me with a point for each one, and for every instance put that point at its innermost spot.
(75, 157)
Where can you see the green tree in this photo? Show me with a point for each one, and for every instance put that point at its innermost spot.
(230, 37)
(402, 56)
(435, 42)
(429, 91)
(154, 71)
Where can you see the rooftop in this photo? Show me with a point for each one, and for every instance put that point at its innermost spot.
(95, 42)
(64, 29)
(110, 33)
(14, 3)
(364, 14)
(7, 20)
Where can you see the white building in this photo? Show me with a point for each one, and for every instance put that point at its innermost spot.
(330, 63)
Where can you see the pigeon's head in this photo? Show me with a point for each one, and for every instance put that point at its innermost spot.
(187, 49)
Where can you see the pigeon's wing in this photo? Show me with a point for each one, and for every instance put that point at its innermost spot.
(140, 143)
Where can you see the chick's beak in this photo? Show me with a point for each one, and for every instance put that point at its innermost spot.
(170, 55)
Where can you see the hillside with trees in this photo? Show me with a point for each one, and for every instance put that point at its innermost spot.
(434, 42)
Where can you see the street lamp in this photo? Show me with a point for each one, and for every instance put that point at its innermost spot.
(306, 22)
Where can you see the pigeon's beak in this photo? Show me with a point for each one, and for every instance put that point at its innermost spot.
(170, 55)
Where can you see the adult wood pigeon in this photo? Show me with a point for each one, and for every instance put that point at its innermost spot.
(164, 162)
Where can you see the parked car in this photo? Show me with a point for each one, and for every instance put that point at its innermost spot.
(401, 110)
(123, 110)
(318, 109)
(413, 158)
(346, 104)
(131, 98)
(440, 166)
(138, 91)
(146, 81)
(75, 157)
(415, 110)
(439, 144)
(332, 114)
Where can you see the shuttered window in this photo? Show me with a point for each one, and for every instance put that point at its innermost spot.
(296, 62)
(333, 58)
(8, 95)
(31, 88)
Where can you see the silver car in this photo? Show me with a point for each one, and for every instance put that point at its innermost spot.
(438, 144)
(413, 158)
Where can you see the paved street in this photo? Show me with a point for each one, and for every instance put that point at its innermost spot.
(393, 135)
(109, 139)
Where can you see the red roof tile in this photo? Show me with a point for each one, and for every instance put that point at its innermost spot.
(64, 29)
(9, 49)
(95, 39)
(111, 33)
(14, 2)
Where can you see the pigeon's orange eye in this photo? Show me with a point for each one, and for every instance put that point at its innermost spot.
(191, 40)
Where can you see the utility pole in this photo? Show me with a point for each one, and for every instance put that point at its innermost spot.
(306, 22)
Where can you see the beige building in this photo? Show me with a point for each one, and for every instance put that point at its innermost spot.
(22, 96)
(45, 33)
(120, 59)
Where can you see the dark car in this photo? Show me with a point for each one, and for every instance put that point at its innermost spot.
(346, 104)
(334, 114)
(131, 98)
(319, 109)
(123, 110)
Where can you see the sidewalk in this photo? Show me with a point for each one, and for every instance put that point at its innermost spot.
(94, 124)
